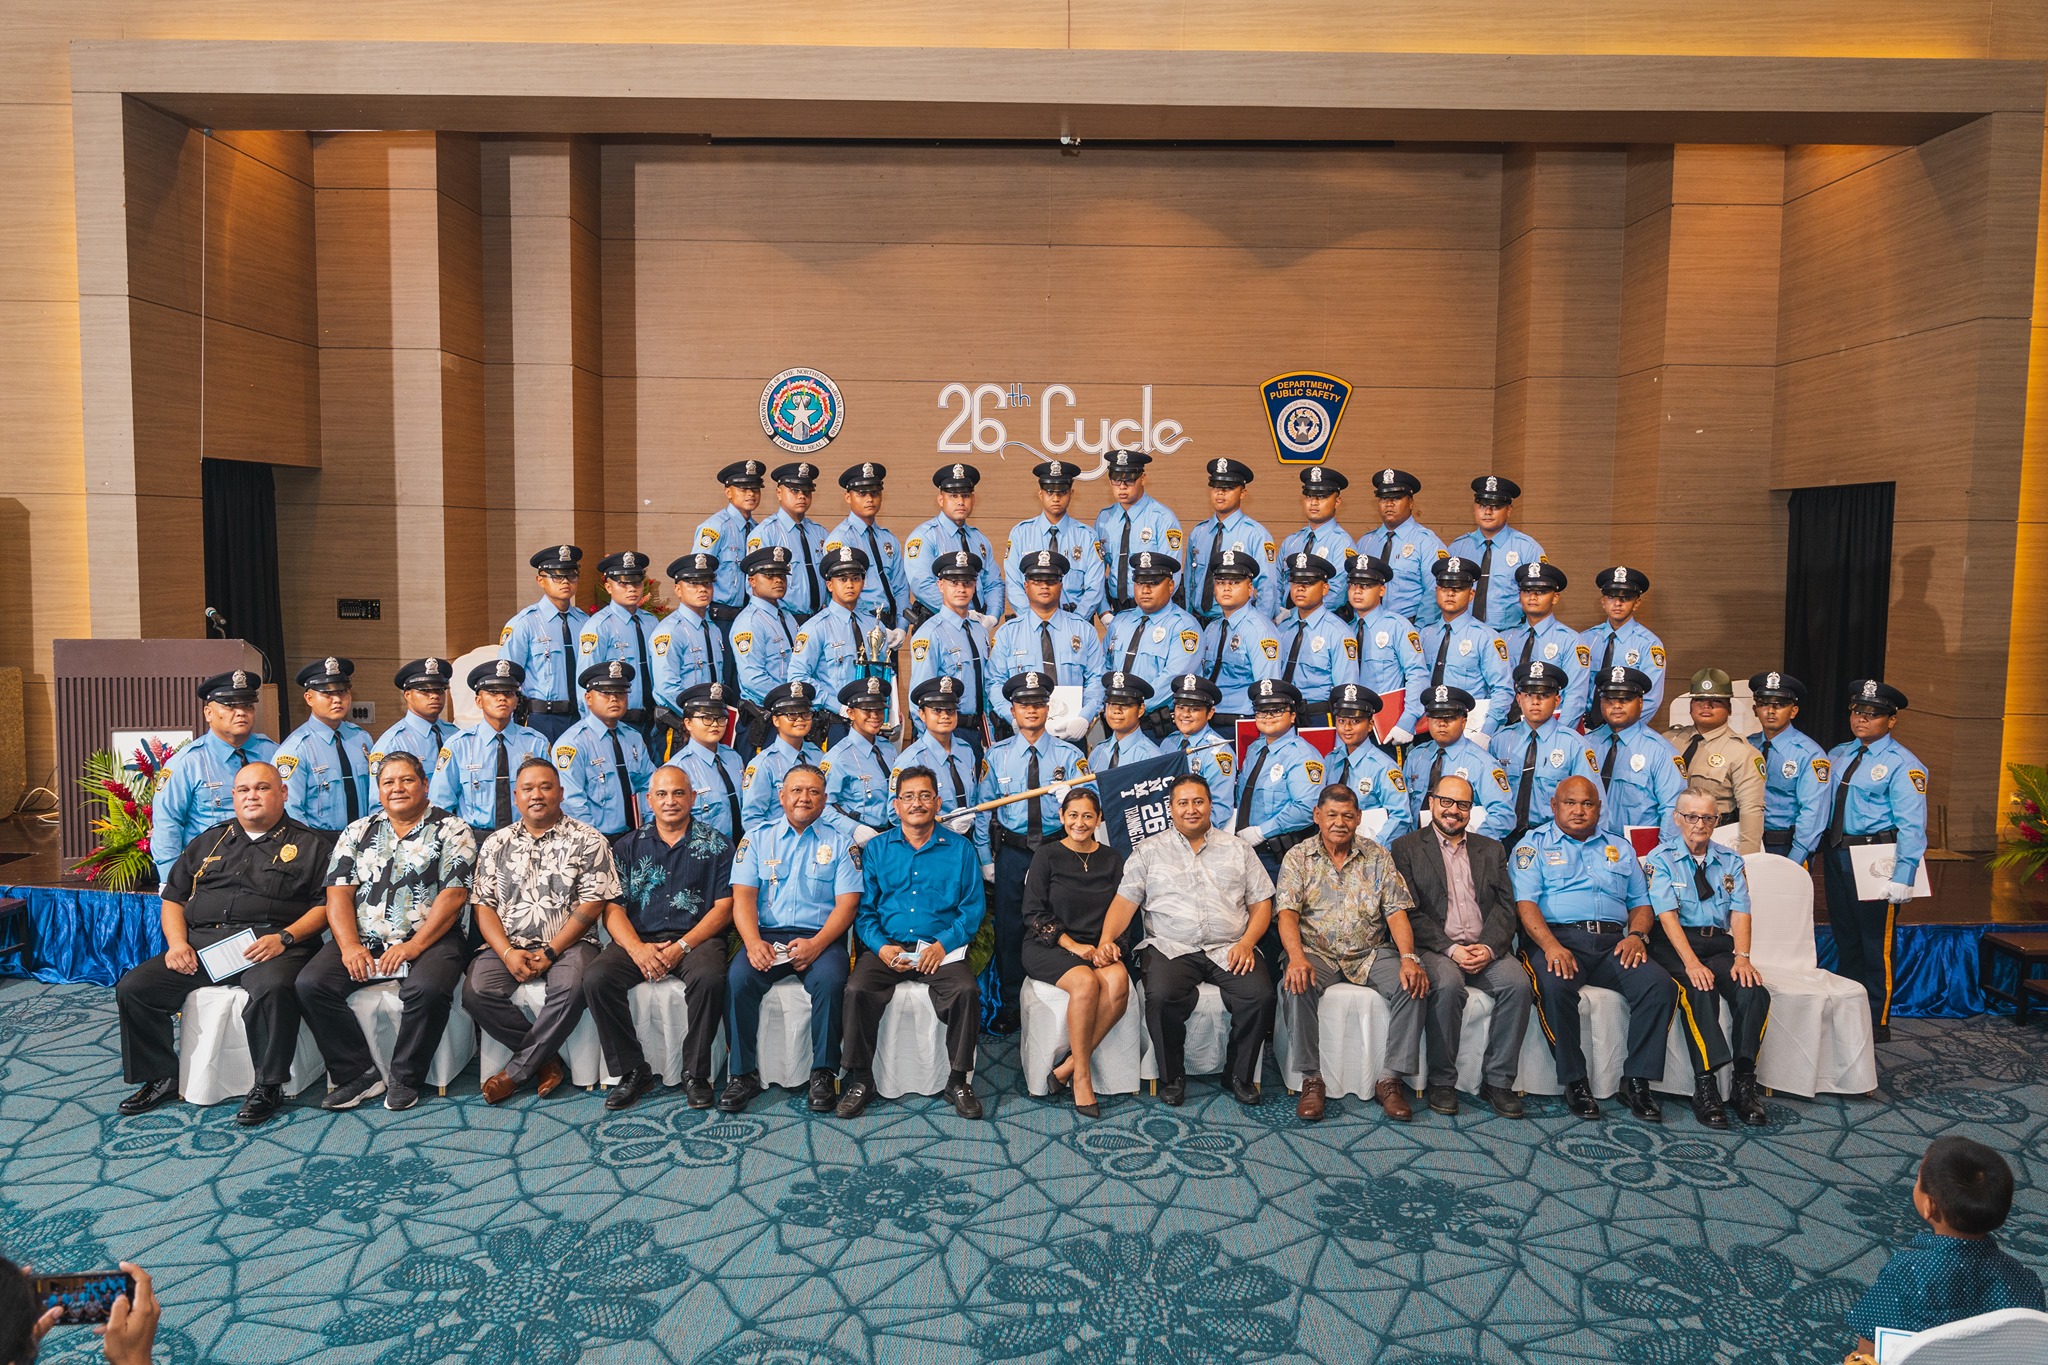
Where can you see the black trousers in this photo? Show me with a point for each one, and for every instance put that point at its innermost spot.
(1171, 988)
(1866, 934)
(611, 978)
(1012, 862)
(868, 990)
(150, 993)
(1700, 1011)
(426, 992)
(1648, 988)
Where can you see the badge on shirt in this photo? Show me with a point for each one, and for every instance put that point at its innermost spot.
(1074, 643)
(1407, 552)
(1381, 639)
(1500, 647)
(1464, 646)
(1633, 657)
(1550, 650)
(1315, 644)
(743, 643)
(1173, 539)
(1877, 773)
(505, 634)
(285, 765)
(288, 853)
(1715, 760)
(1144, 535)
(1554, 858)
(1789, 768)
(1557, 758)
(1159, 635)
(1636, 763)
(1514, 558)
(586, 644)
(1613, 854)
(824, 855)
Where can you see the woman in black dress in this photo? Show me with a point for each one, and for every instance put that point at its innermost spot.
(1066, 895)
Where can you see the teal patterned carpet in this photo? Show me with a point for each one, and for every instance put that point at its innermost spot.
(551, 1232)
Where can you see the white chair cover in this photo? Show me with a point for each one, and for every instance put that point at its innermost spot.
(378, 1010)
(1603, 1033)
(2006, 1337)
(581, 1053)
(1118, 1057)
(213, 1049)
(910, 1045)
(1352, 1027)
(1208, 1040)
(1819, 1040)
(662, 1024)
(782, 1043)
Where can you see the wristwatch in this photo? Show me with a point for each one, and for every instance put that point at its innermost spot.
(548, 951)
(287, 937)
(1638, 935)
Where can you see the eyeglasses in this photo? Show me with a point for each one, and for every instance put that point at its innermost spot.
(1699, 819)
(917, 798)
(1448, 804)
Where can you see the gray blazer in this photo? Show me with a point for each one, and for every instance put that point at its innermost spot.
(1421, 863)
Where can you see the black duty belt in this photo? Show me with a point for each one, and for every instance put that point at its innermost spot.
(723, 615)
(635, 715)
(1782, 836)
(1005, 838)
(1595, 926)
(1731, 817)
(1883, 836)
(1706, 930)
(536, 707)
(1279, 844)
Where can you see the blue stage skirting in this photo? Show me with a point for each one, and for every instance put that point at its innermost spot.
(1935, 968)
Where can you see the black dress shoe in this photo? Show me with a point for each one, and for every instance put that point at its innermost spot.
(960, 1094)
(1506, 1102)
(630, 1087)
(1578, 1097)
(1706, 1103)
(824, 1094)
(1747, 1103)
(152, 1094)
(697, 1092)
(1880, 1033)
(1443, 1099)
(263, 1102)
(1005, 1023)
(853, 1100)
(1247, 1092)
(1635, 1091)
(740, 1092)
(1174, 1092)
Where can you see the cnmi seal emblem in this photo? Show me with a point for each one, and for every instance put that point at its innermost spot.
(1304, 408)
(801, 410)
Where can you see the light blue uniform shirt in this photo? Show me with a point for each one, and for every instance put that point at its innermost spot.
(1241, 533)
(1329, 540)
(1888, 790)
(1410, 550)
(1082, 590)
(466, 782)
(1283, 778)
(799, 873)
(1007, 768)
(1241, 649)
(1560, 753)
(857, 779)
(197, 793)
(1493, 807)
(718, 778)
(1553, 642)
(1476, 660)
(806, 573)
(1574, 881)
(1376, 778)
(1669, 872)
(1135, 747)
(1076, 652)
(951, 645)
(1634, 646)
(1151, 525)
(941, 535)
(761, 795)
(1214, 760)
(729, 534)
(687, 651)
(416, 735)
(828, 651)
(1796, 791)
(610, 635)
(534, 640)
(1511, 550)
(1645, 782)
(885, 565)
(590, 774)
(1390, 657)
(1323, 653)
(763, 638)
(1169, 643)
(954, 767)
(315, 793)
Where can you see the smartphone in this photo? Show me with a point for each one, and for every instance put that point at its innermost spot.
(84, 1298)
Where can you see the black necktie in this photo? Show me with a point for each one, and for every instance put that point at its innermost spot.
(711, 651)
(782, 619)
(501, 800)
(1222, 645)
(1345, 776)
(1251, 787)
(1443, 650)
(1123, 564)
(1035, 810)
(1607, 654)
(1528, 647)
(640, 657)
(1691, 748)
(1607, 763)
(1485, 581)
(1528, 783)
(1115, 752)
(1436, 770)
(1294, 650)
(810, 567)
(1045, 650)
(568, 660)
(348, 778)
(625, 779)
(965, 548)
(1137, 638)
(1387, 550)
(438, 742)
(1700, 884)
(974, 652)
(1841, 812)
(732, 794)
(1209, 575)
(959, 787)
(1606, 661)
(241, 757)
(888, 593)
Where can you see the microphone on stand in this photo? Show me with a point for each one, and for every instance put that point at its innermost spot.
(217, 621)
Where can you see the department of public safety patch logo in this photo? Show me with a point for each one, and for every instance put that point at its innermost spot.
(1918, 779)
(801, 410)
(1315, 772)
(1820, 769)
(1304, 408)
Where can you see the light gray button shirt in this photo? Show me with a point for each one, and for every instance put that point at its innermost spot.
(1194, 902)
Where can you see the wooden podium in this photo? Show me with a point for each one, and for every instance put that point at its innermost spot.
(109, 685)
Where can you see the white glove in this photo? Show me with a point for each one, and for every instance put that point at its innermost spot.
(1252, 834)
(861, 835)
(1898, 893)
(894, 639)
(987, 622)
(1059, 793)
(1400, 736)
(1070, 728)
(963, 823)
(988, 872)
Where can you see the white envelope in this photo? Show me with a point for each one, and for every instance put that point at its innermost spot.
(225, 958)
(957, 955)
(1873, 866)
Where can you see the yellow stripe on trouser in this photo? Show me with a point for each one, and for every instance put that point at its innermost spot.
(1541, 1021)
(1692, 1026)
(1891, 913)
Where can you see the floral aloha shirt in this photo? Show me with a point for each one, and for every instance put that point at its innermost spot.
(397, 878)
(1343, 910)
(534, 881)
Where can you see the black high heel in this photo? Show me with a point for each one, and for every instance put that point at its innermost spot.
(1092, 1110)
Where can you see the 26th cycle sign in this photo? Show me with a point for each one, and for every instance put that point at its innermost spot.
(977, 429)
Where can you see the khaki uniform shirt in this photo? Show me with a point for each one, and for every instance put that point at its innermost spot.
(1726, 765)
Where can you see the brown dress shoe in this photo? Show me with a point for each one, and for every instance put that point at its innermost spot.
(549, 1078)
(1393, 1097)
(498, 1088)
(1309, 1108)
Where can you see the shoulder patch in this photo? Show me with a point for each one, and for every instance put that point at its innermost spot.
(1270, 648)
(1759, 761)
(802, 638)
(1585, 655)
(1820, 769)
(1500, 647)
(1269, 551)
(1314, 771)
(1173, 540)
(743, 642)
(1351, 648)
(1394, 777)
(1657, 655)
(505, 634)
(565, 754)
(1415, 640)
(747, 777)
(1678, 762)
(744, 844)
(661, 645)
(1918, 779)
(1190, 641)
(919, 648)
(1525, 857)
(912, 546)
(285, 763)
(1080, 767)
(586, 643)
(1500, 779)
(1223, 761)
(445, 756)
(707, 537)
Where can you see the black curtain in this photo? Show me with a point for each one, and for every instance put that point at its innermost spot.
(240, 501)
(1838, 591)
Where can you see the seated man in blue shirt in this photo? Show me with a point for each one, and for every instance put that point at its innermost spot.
(1954, 1271)
(921, 905)
(676, 879)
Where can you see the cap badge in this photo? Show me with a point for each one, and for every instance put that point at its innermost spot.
(617, 669)
(867, 471)
(1492, 484)
(241, 678)
(433, 668)
(333, 665)
(1770, 680)
(504, 669)
(1869, 688)
(562, 551)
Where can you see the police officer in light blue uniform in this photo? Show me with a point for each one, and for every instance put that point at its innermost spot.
(1133, 524)
(1449, 751)
(1313, 643)
(1879, 797)
(1619, 640)
(1158, 639)
(420, 732)
(793, 528)
(603, 761)
(326, 761)
(1283, 777)
(622, 630)
(1322, 492)
(716, 774)
(688, 649)
(1045, 636)
(1498, 550)
(947, 533)
(839, 643)
(1641, 772)
(1210, 758)
(1364, 767)
(954, 642)
(1227, 530)
(1541, 636)
(858, 766)
(1069, 537)
(762, 781)
(479, 767)
(763, 638)
(1405, 546)
(542, 639)
(941, 748)
(196, 791)
(730, 534)
(1797, 796)
(1242, 645)
(886, 593)
(1124, 697)
(1464, 652)
(1540, 750)
(1388, 646)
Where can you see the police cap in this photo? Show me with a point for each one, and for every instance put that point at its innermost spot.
(628, 565)
(1193, 687)
(239, 688)
(1395, 483)
(705, 699)
(1494, 491)
(1055, 474)
(770, 559)
(1881, 696)
(1228, 473)
(1274, 694)
(1777, 687)
(957, 564)
(1622, 681)
(1370, 569)
(790, 698)
(695, 567)
(1621, 581)
(1129, 688)
(1235, 564)
(870, 694)
(955, 478)
(1319, 481)
(1303, 567)
(1355, 699)
(1150, 566)
(743, 474)
(1539, 576)
(1538, 676)
(801, 475)
(1455, 571)
(557, 559)
(1126, 465)
(1446, 700)
(1044, 564)
(842, 561)
(424, 675)
(865, 477)
(940, 693)
(613, 675)
(331, 674)
(1030, 687)
(497, 675)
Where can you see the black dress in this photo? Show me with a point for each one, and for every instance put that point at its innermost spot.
(1064, 895)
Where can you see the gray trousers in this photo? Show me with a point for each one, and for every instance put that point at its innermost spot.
(1507, 981)
(1404, 1029)
(487, 995)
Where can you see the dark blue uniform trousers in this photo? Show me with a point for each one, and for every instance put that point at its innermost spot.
(1647, 988)
(745, 984)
